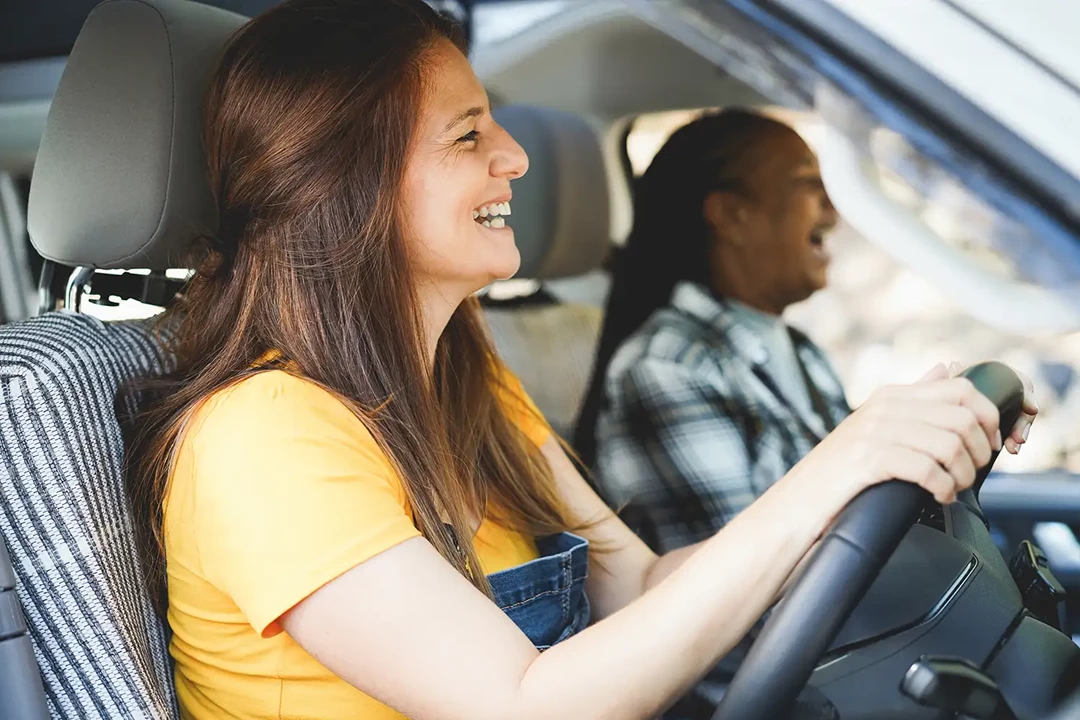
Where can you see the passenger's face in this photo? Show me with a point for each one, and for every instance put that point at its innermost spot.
(457, 184)
(777, 234)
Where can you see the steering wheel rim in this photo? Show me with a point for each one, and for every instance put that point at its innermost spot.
(851, 555)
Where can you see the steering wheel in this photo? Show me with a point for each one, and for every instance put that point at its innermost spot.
(848, 560)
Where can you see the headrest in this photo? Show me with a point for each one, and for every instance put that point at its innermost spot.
(561, 216)
(119, 177)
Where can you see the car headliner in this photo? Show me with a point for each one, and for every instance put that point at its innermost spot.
(43, 29)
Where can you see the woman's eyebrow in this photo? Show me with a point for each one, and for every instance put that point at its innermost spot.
(462, 117)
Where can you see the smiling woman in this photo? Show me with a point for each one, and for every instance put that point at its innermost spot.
(731, 207)
(345, 189)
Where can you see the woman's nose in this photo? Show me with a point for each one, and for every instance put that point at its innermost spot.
(510, 159)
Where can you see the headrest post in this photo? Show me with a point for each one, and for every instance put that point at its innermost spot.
(76, 286)
(46, 296)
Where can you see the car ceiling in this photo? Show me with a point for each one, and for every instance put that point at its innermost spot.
(49, 27)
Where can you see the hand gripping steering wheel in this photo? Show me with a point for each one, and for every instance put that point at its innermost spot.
(851, 554)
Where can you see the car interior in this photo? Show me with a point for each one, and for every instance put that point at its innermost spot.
(909, 610)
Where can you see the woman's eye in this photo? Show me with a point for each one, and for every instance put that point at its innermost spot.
(469, 137)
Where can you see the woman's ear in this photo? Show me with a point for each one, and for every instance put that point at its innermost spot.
(722, 213)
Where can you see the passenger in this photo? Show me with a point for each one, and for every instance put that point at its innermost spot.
(702, 396)
(358, 511)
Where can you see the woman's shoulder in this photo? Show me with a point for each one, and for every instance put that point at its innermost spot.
(267, 391)
(275, 406)
(280, 437)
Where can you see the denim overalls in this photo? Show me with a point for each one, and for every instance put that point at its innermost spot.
(546, 597)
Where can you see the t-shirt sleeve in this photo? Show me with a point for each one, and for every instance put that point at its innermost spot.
(521, 409)
(291, 491)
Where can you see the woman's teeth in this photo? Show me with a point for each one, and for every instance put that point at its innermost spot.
(492, 215)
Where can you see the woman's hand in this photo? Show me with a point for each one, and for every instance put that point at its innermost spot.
(936, 433)
(1019, 433)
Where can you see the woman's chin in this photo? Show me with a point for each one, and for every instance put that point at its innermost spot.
(494, 273)
(506, 266)
(489, 262)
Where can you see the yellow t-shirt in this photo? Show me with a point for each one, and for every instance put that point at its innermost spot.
(277, 490)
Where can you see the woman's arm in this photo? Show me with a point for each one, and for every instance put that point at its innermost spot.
(405, 628)
(622, 566)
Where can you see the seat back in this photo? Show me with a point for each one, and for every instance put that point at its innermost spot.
(101, 649)
(550, 346)
(20, 681)
(561, 222)
(118, 183)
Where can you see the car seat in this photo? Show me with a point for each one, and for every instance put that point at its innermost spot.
(117, 184)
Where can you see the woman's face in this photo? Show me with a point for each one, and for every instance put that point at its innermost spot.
(457, 184)
(775, 234)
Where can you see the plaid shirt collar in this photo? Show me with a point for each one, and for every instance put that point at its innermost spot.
(698, 303)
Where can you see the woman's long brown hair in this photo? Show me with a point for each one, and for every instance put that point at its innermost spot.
(309, 124)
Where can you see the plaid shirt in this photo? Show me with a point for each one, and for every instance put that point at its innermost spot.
(695, 428)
